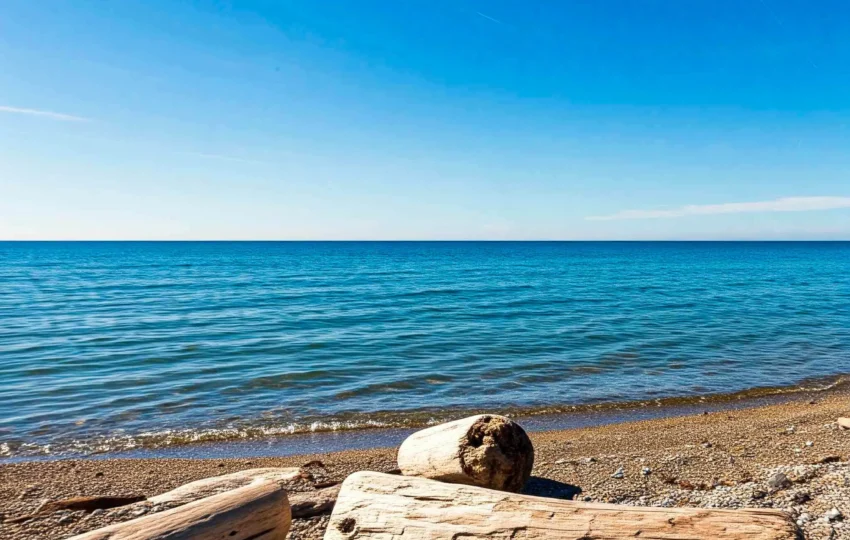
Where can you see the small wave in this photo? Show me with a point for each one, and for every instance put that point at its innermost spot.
(157, 439)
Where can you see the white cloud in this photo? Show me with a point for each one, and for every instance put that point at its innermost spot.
(43, 114)
(489, 18)
(786, 204)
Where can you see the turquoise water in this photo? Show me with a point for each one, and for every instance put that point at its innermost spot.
(110, 346)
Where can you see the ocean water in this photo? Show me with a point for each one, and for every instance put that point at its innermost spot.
(110, 346)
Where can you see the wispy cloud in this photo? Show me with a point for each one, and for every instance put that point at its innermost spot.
(489, 18)
(786, 204)
(44, 114)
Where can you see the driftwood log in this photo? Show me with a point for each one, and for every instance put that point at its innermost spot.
(485, 450)
(309, 504)
(380, 506)
(257, 511)
(208, 487)
(303, 504)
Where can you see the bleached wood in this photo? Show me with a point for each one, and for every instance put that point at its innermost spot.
(484, 450)
(386, 507)
(258, 511)
(207, 487)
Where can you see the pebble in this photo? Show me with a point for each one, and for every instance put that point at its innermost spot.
(778, 481)
(833, 515)
(619, 473)
(646, 471)
(809, 444)
(801, 497)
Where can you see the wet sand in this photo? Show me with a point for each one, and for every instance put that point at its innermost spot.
(717, 459)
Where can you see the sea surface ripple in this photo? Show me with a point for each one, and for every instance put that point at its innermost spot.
(106, 346)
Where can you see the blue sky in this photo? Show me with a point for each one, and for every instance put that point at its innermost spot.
(629, 119)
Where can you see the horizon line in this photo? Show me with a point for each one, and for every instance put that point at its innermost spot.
(613, 240)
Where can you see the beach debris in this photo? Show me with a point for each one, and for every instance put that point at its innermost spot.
(844, 423)
(833, 515)
(619, 473)
(778, 481)
(313, 503)
(79, 504)
(374, 505)
(207, 487)
(88, 504)
(325, 484)
(259, 509)
(809, 444)
(485, 450)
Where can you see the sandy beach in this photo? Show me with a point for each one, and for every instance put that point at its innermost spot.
(715, 459)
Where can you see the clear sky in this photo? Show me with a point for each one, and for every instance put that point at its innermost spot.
(425, 119)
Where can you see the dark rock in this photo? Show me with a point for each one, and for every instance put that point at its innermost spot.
(778, 481)
(801, 497)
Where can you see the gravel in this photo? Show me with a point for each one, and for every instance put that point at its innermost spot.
(654, 463)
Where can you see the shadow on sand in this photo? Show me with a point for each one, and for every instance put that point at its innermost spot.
(544, 487)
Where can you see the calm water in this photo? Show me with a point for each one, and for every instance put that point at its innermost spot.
(107, 346)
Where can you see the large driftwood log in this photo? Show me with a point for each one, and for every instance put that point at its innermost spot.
(207, 487)
(258, 511)
(380, 506)
(486, 450)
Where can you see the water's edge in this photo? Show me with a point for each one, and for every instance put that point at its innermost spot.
(532, 419)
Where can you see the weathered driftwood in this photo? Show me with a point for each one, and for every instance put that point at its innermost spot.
(484, 450)
(86, 504)
(258, 511)
(207, 487)
(379, 506)
(313, 503)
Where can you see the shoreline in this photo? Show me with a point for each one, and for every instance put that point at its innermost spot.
(710, 459)
(534, 419)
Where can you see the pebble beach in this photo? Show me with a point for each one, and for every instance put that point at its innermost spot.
(791, 456)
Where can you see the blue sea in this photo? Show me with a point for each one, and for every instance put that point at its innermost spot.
(117, 345)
